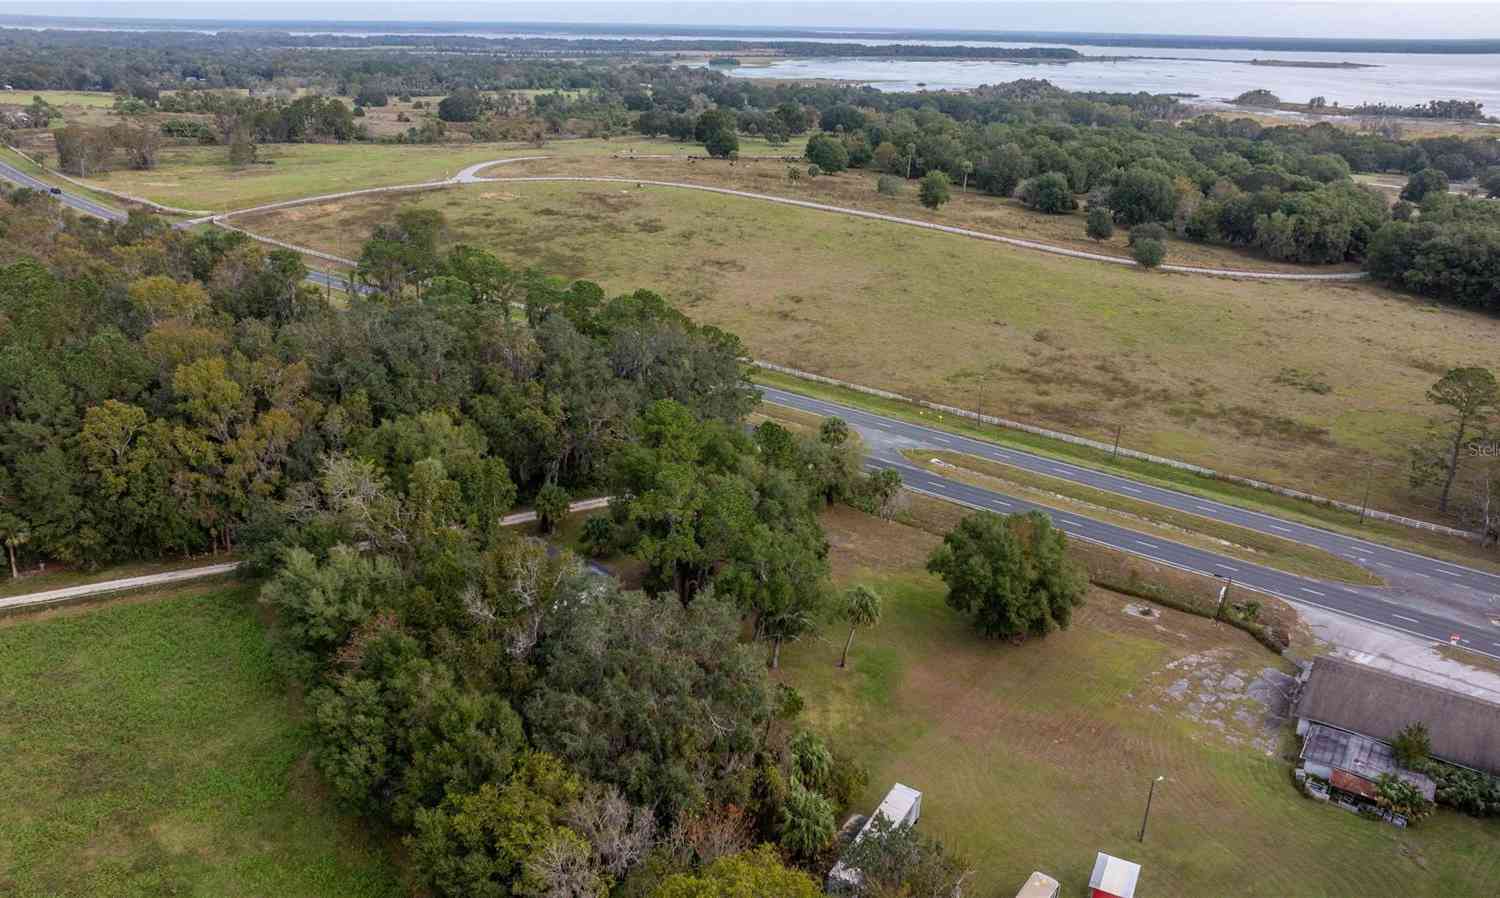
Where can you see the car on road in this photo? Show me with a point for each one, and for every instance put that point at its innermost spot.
(55, 191)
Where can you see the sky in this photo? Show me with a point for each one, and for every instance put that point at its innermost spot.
(1332, 18)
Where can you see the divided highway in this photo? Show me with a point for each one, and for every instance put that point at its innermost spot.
(886, 437)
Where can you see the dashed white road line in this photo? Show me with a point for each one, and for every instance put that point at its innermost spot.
(1226, 567)
(1313, 591)
(1281, 528)
(1148, 545)
(1410, 620)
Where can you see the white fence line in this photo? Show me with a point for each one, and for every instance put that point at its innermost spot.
(1372, 513)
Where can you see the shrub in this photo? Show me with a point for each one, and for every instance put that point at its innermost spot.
(598, 537)
(1101, 223)
(827, 153)
(1048, 193)
(889, 185)
(1424, 182)
(1412, 745)
(1149, 253)
(1400, 797)
(1148, 231)
(813, 170)
(722, 142)
(934, 191)
(1142, 195)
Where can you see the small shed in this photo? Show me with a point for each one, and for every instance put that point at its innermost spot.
(1113, 877)
(901, 806)
(1040, 885)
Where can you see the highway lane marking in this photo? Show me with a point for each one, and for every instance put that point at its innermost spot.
(1130, 489)
(1148, 545)
(1449, 573)
(1226, 567)
(1279, 527)
(1313, 591)
(1206, 508)
(1410, 620)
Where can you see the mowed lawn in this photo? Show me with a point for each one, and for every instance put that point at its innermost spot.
(150, 749)
(1303, 384)
(1034, 757)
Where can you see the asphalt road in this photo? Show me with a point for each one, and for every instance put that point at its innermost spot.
(81, 203)
(886, 437)
(89, 207)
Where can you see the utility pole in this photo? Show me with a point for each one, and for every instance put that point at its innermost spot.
(1223, 594)
(1114, 454)
(1144, 820)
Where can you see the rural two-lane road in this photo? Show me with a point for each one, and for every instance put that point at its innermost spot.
(81, 203)
(887, 437)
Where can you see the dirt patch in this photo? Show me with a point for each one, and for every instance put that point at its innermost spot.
(860, 544)
(1217, 688)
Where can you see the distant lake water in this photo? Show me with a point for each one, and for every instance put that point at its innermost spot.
(1212, 75)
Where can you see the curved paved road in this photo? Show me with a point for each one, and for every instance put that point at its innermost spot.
(81, 203)
(1439, 621)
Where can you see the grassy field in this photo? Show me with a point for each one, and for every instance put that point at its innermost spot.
(1247, 377)
(150, 750)
(92, 98)
(856, 189)
(1036, 756)
(198, 177)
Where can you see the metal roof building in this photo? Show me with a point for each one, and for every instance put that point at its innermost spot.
(1039, 885)
(1359, 699)
(1113, 877)
(902, 805)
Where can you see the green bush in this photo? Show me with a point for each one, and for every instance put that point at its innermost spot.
(827, 153)
(889, 185)
(1149, 231)
(1048, 193)
(1149, 253)
(934, 190)
(1101, 223)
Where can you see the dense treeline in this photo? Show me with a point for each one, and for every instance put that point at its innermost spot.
(1284, 191)
(529, 727)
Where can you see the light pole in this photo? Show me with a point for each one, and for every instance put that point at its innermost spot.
(1150, 795)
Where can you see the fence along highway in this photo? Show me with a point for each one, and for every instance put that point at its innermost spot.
(885, 437)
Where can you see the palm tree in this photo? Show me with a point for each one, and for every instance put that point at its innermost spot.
(861, 609)
(967, 167)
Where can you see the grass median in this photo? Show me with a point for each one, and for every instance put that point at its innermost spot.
(1410, 539)
(1145, 517)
